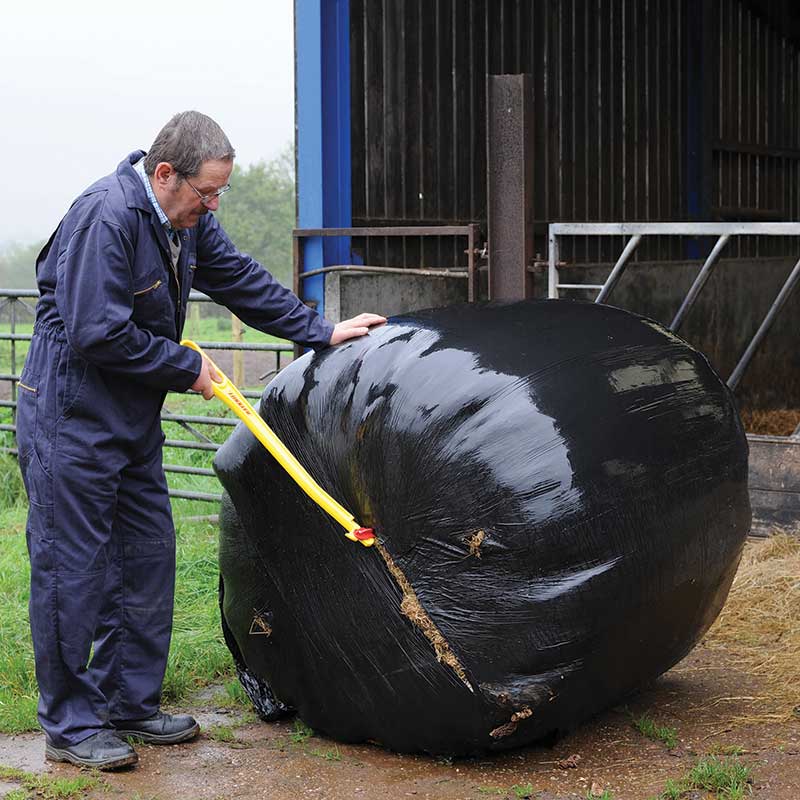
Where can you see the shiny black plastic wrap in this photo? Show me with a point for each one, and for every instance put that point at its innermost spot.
(559, 492)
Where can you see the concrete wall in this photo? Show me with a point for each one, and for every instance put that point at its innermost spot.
(349, 294)
(722, 322)
(774, 482)
(724, 319)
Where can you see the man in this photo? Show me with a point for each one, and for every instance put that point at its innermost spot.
(114, 281)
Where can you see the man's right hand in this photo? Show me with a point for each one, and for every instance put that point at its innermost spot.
(204, 379)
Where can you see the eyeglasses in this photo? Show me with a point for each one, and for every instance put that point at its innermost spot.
(205, 199)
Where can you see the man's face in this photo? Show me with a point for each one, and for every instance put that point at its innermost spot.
(180, 201)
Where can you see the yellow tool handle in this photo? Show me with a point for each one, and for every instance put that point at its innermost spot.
(233, 398)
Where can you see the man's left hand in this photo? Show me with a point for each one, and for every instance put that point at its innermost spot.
(355, 327)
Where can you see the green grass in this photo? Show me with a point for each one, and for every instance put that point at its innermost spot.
(658, 733)
(194, 405)
(673, 790)
(12, 490)
(221, 733)
(227, 734)
(218, 329)
(724, 778)
(522, 790)
(327, 755)
(200, 327)
(728, 777)
(300, 733)
(18, 692)
(47, 787)
(232, 695)
(198, 655)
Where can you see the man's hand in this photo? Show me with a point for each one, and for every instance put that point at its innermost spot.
(353, 328)
(203, 382)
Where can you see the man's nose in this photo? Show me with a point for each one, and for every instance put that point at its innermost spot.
(212, 204)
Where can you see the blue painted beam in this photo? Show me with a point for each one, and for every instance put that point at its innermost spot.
(322, 92)
(699, 105)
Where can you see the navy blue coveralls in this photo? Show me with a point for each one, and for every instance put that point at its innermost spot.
(104, 352)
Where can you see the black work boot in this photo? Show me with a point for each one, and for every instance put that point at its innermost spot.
(101, 750)
(161, 728)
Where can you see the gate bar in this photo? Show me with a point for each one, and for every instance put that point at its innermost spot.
(780, 301)
(619, 268)
(699, 283)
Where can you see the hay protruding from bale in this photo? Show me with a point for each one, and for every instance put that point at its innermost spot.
(412, 608)
(759, 627)
(474, 543)
(511, 726)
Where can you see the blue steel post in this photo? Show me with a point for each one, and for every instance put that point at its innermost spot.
(322, 92)
(699, 110)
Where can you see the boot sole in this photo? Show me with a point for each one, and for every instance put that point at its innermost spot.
(160, 738)
(56, 754)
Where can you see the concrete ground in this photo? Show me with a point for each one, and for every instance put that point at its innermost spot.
(714, 707)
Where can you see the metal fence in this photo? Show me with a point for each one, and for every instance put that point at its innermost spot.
(635, 232)
(18, 307)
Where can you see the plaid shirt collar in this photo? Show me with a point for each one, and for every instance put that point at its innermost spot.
(162, 217)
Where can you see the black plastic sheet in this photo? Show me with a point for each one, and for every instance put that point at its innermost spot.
(559, 492)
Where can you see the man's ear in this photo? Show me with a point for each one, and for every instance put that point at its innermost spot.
(162, 173)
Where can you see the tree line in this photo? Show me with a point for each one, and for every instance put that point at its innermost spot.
(258, 215)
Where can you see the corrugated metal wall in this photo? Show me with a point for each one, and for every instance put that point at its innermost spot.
(611, 82)
(756, 147)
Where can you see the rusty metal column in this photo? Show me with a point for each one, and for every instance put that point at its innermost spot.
(509, 158)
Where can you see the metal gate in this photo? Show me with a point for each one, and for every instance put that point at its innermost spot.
(637, 231)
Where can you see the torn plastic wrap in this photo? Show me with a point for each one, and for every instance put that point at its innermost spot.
(559, 492)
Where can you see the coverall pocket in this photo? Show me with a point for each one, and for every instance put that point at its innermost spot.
(151, 301)
(27, 395)
(31, 442)
(39, 486)
(71, 379)
(40, 548)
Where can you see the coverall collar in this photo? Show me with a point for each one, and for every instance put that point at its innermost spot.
(136, 197)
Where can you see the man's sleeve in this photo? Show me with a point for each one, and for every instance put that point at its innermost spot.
(94, 296)
(246, 288)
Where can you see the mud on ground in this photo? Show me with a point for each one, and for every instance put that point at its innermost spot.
(710, 704)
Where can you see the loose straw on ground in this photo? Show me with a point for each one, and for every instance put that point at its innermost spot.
(759, 628)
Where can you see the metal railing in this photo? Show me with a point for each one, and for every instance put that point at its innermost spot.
(637, 230)
(470, 232)
(15, 302)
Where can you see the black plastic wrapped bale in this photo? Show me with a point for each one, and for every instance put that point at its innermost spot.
(559, 492)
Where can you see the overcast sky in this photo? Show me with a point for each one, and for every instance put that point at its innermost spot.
(84, 82)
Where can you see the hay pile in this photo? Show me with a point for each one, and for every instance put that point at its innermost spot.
(778, 422)
(759, 628)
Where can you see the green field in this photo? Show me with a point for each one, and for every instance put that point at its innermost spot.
(201, 328)
(198, 655)
(198, 326)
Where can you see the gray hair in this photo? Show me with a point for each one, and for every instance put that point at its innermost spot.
(186, 141)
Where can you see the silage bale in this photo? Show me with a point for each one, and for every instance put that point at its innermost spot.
(559, 492)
